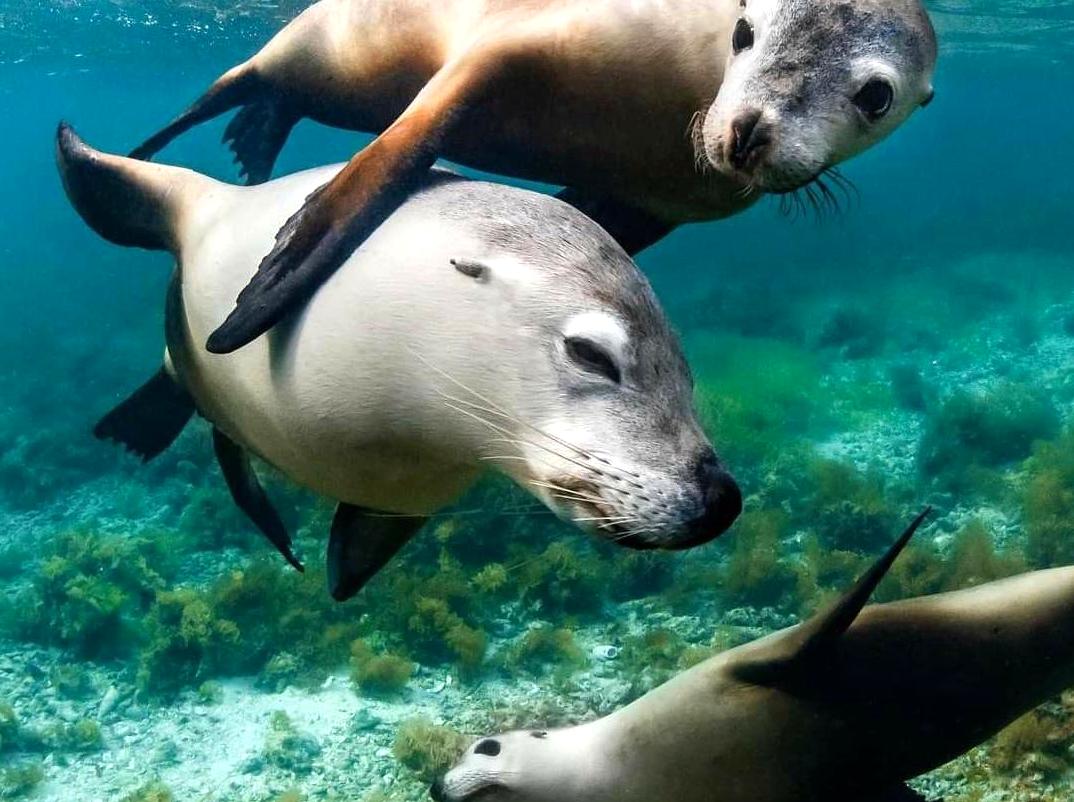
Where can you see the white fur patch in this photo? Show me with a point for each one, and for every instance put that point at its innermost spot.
(602, 328)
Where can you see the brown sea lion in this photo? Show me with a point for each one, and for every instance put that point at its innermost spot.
(843, 708)
(652, 113)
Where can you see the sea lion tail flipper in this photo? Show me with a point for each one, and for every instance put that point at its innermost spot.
(361, 543)
(127, 202)
(633, 228)
(232, 89)
(250, 496)
(150, 419)
(785, 659)
(339, 216)
(256, 136)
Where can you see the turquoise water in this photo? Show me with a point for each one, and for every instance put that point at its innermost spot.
(915, 348)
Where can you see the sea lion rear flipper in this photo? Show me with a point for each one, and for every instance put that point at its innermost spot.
(338, 217)
(149, 420)
(783, 663)
(127, 202)
(362, 542)
(633, 228)
(250, 496)
(256, 136)
(234, 88)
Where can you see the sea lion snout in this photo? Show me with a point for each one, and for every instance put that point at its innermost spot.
(749, 139)
(722, 503)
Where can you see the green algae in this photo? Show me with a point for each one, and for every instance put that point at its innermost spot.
(187, 643)
(757, 573)
(89, 592)
(1048, 503)
(427, 749)
(154, 791)
(19, 781)
(379, 674)
(544, 648)
(755, 395)
(972, 432)
(9, 727)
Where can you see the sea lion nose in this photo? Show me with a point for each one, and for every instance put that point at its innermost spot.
(436, 790)
(748, 137)
(722, 502)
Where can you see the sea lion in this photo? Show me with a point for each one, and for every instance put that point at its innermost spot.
(652, 113)
(843, 708)
(479, 325)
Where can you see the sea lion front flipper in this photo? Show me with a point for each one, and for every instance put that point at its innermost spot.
(338, 217)
(633, 228)
(788, 658)
(256, 136)
(149, 420)
(250, 496)
(361, 543)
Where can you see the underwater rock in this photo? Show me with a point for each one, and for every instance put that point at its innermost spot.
(287, 748)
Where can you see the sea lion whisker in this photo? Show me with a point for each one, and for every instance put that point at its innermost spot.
(696, 133)
(568, 495)
(494, 407)
(560, 488)
(830, 201)
(594, 471)
(516, 419)
(512, 440)
(494, 426)
(747, 190)
(845, 186)
(565, 494)
(606, 522)
(453, 403)
(495, 410)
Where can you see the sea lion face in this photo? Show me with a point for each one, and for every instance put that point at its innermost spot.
(593, 399)
(622, 453)
(521, 766)
(810, 83)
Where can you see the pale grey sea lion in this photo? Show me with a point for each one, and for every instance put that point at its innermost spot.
(843, 708)
(481, 325)
(602, 96)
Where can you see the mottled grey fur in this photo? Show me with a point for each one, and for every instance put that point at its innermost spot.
(589, 266)
(814, 41)
(567, 241)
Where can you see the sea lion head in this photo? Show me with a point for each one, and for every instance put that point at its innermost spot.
(587, 399)
(514, 766)
(810, 83)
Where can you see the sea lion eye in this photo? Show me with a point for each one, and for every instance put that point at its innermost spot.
(874, 99)
(742, 38)
(489, 746)
(592, 357)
